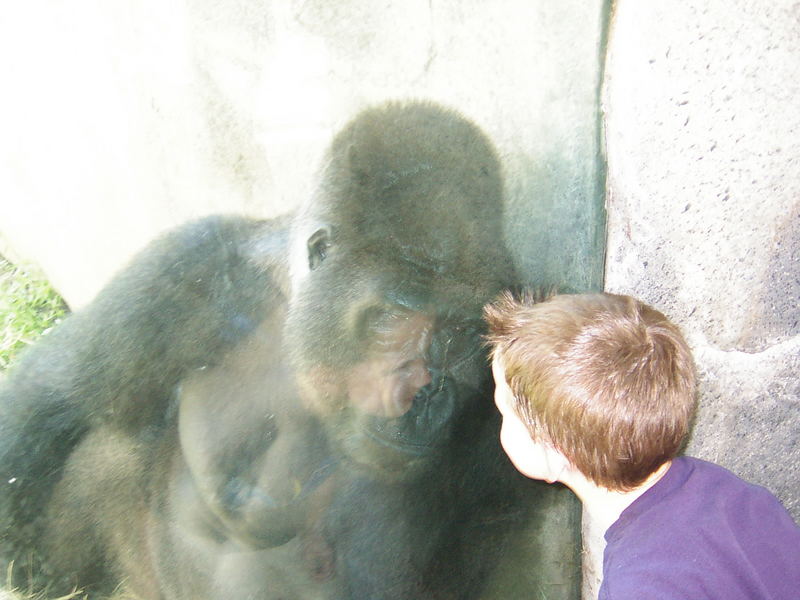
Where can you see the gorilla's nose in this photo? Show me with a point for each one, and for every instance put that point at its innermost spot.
(411, 376)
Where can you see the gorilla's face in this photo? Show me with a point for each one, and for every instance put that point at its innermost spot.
(377, 367)
(392, 261)
(385, 383)
(403, 443)
(387, 362)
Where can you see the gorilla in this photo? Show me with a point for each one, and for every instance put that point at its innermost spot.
(294, 408)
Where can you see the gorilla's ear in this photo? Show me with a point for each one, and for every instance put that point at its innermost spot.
(319, 244)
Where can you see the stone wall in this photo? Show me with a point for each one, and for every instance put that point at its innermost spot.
(703, 200)
(703, 140)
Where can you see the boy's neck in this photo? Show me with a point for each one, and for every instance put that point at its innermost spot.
(605, 506)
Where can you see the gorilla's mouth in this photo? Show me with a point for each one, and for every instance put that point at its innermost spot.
(425, 427)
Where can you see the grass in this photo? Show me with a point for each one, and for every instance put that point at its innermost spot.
(29, 308)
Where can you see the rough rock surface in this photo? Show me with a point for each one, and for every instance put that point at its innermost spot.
(704, 211)
(703, 200)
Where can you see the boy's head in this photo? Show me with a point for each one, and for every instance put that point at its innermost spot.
(608, 381)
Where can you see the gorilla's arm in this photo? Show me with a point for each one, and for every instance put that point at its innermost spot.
(256, 455)
(181, 304)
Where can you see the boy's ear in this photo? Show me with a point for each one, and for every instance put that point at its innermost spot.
(560, 465)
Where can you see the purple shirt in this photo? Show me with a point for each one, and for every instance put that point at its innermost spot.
(701, 533)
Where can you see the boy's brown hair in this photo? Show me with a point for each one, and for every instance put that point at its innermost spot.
(606, 379)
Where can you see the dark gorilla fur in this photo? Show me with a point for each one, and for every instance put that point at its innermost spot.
(193, 432)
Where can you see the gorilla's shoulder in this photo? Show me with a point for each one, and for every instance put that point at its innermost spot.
(211, 245)
(189, 296)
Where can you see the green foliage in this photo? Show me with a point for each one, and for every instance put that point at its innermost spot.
(28, 308)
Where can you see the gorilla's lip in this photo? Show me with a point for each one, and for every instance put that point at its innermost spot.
(401, 443)
(410, 433)
(427, 426)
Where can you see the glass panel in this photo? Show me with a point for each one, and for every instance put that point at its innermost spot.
(301, 407)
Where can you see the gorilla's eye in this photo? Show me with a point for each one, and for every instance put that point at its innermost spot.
(373, 321)
(319, 243)
(454, 342)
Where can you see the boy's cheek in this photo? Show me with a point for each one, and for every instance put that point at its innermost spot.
(506, 442)
(517, 446)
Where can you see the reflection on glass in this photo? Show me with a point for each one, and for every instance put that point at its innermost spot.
(296, 408)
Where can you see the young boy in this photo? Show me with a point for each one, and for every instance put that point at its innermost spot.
(597, 391)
